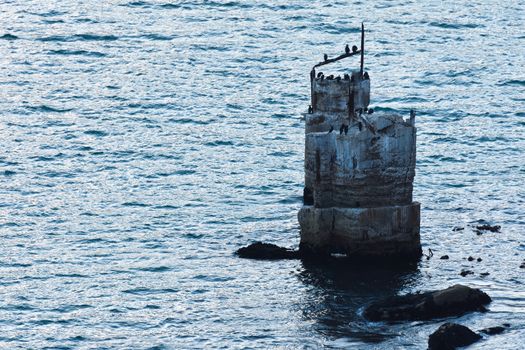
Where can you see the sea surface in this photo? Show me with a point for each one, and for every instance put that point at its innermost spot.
(143, 142)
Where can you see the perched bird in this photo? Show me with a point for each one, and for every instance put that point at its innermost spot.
(330, 77)
(346, 129)
(347, 49)
(354, 49)
(310, 109)
(319, 74)
(360, 126)
(341, 129)
(325, 57)
(322, 77)
(331, 129)
(346, 77)
(338, 78)
(370, 110)
(366, 76)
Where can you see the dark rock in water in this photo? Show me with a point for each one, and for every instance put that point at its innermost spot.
(450, 336)
(490, 228)
(444, 257)
(458, 228)
(464, 273)
(479, 260)
(267, 251)
(470, 258)
(9, 37)
(493, 330)
(483, 274)
(453, 301)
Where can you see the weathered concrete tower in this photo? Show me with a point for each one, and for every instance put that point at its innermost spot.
(359, 169)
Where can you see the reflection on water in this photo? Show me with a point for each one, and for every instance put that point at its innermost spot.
(339, 291)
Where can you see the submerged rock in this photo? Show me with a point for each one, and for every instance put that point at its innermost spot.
(444, 257)
(493, 330)
(450, 336)
(453, 301)
(267, 251)
(464, 273)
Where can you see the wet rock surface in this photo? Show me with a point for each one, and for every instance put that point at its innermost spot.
(267, 251)
(450, 336)
(453, 301)
(494, 330)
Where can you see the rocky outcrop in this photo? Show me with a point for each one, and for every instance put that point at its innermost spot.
(267, 251)
(453, 301)
(450, 336)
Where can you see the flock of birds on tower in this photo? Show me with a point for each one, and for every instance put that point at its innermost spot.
(320, 75)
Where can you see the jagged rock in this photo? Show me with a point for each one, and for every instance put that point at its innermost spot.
(490, 228)
(450, 336)
(267, 251)
(453, 301)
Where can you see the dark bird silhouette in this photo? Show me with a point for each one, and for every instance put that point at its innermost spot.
(360, 126)
(347, 49)
(346, 129)
(341, 129)
(346, 77)
(338, 78)
(366, 76)
(322, 77)
(325, 57)
(319, 74)
(370, 110)
(354, 49)
(331, 129)
(310, 109)
(330, 77)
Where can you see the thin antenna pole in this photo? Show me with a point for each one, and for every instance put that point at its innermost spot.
(362, 47)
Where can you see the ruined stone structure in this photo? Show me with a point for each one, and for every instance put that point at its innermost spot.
(358, 177)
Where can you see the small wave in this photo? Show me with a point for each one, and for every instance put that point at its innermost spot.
(49, 109)
(71, 308)
(185, 172)
(137, 4)
(79, 37)
(8, 36)
(219, 143)
(454, 25)
(154, 269)
(148, 291)
(77, 53)
(98, 133)
(134, 204)
(157, 37)
(514, 82)
(189, 121)
(8, 173)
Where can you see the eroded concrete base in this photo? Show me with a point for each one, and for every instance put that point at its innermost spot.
(381, 232)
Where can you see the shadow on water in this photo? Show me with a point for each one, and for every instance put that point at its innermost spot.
(339, 291)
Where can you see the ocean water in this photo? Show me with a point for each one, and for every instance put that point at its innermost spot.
(143, 142)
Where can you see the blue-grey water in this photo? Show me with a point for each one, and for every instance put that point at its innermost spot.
(143, 142)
